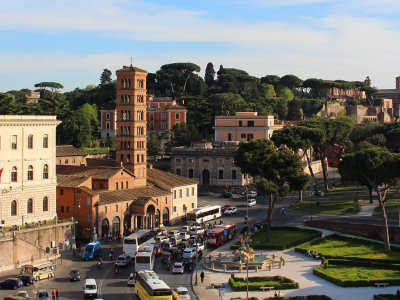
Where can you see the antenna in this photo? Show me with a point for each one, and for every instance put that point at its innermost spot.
(131, 61)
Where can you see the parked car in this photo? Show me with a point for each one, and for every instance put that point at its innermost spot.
(250, 202)
(178, 268)
(131, 279)
(11, 283)
(226, 206)
(166, 257)
(198, 246)
(161, 232)
(185, 228)
(189, 253)
(251, 194)
(196, 230)
(42, 295)
(74, 275)
(183, 236)
(123, 260)
(230, 211)
(23, 294)
(27, 279)
(226, 194)
(161, 239)
(173, 233)
(181, 293)
(175, 240)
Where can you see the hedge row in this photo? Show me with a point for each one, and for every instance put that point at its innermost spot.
(360, 263)
(386, 297)
(278, 282)
(311, 297)
(352, 283)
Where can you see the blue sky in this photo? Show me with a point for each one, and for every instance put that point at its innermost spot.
(71, 42)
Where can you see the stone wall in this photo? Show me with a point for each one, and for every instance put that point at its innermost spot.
(23, 246)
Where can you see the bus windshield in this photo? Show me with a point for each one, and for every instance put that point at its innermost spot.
(130, 241)
(142, 259)
(89, 249)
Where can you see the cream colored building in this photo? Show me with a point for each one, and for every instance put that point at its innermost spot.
(28, 169)
(244, 126)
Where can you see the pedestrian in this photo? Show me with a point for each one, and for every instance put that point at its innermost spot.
(202, 276)
(57, 293)
(275, 294)
(53, 294)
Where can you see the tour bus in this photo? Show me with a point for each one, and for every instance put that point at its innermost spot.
(39, 271)
(132, 242)
(150, 287)
(203, 214)
(145, 256)
(220, 234)
(92, 251)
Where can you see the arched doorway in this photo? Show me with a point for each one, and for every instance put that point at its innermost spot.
(149, 220)
(205, 174)
(127, 224)
(157, 219)
(116, 226)
(139, 222)
(105, 227)
(165, 216)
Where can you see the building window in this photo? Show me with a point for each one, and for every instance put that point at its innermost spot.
(14, 208)
(116, 207)
(174, 209)
(61, 192)
(205, 160)
(127, 205)
(108, 125)
(45, 172)
(105, 209)
(14, 174)
(67, 209)
(178, 171)
(250, 123)
(187, 192)
(62, 209)
(30, 141)
(243, 135)
(45, 204)
(240, 123)
(88, 202)
(107, 116)
(234, 175)
(174, 194)
(229, 136)
(45, 141)
(180, 193)
(192, 191)
(178, 160)
(88, 217)
(116, 185)
(66, 161)
(190, 173)
(177, 116)
(250, 136)
(30, 173)
(29, 207)
(14, 142)
(220, 174)
(126, 184)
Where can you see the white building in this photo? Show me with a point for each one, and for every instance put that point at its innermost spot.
(27, 169)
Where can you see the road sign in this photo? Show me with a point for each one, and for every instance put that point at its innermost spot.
(222, 292)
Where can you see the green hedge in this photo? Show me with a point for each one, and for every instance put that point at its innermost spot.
(278, 282)
(386, 297)
(94, 151)
(377, 263)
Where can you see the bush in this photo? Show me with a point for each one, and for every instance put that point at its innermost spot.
(387, 297)
(278, 282)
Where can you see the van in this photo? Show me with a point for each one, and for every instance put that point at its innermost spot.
(90, 288)
(92, 251)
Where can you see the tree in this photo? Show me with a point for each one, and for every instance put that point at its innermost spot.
(177, 75)
(53, 86)
(285, 93)
(291, 81)
(105, 77)
(153, 145)
(378, 168)
(209, 74)
(280, 170)
(8, 104)
(227, 103)
(182, 135)
(268, 91)
(300, 138)
(271, 79)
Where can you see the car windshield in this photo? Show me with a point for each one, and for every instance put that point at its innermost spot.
(90, 287)
(121, 258)
(43, 294)
(183, 293)
(74, 272)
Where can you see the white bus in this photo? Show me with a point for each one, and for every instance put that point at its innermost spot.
(145, 256)
(132, 242)
(150, 286)
(203, 214)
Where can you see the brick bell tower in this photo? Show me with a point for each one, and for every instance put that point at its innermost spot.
(131, 148)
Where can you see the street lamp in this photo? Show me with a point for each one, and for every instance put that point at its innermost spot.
(74, 217)
(247, 278)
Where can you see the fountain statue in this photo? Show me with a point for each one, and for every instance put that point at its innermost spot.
(245, 253)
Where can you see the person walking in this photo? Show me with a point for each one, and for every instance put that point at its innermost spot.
(57, 294)
(202, 276)
(53, 294)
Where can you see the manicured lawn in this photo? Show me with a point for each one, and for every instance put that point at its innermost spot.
(344, 187)
(392, 209)
(327, 206)
(359, 273)
(342, 248)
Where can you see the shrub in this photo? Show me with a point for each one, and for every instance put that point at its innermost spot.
(278, 282)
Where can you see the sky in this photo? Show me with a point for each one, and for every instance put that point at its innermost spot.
(72, 41)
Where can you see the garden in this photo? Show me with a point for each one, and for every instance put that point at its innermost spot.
(255, 283)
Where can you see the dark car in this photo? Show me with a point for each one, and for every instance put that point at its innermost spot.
(226, 194)
(11, 283)
(74, 275)
(188, 264)
(27, 279)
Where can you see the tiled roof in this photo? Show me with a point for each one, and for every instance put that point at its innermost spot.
(68, 150)
(70, 180)
(169, 179)
(88, 190)
(148, 192)
(92, 171)
(131, 68)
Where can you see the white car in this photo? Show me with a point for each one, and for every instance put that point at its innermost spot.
(123, 260)
(198, 246)
(250, 202)
(230, 211)
(181, 293)
(251, 194)
(131, 279)
(189, 253)
(162, 239)
(173, 233)
(185, 228)
(184, 236)
(178, 268)
(196, 230)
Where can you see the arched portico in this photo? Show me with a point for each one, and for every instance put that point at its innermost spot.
(165, 216)
(116, 226)
(105, 227)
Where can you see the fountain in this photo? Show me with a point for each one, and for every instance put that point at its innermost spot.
(245, 253)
